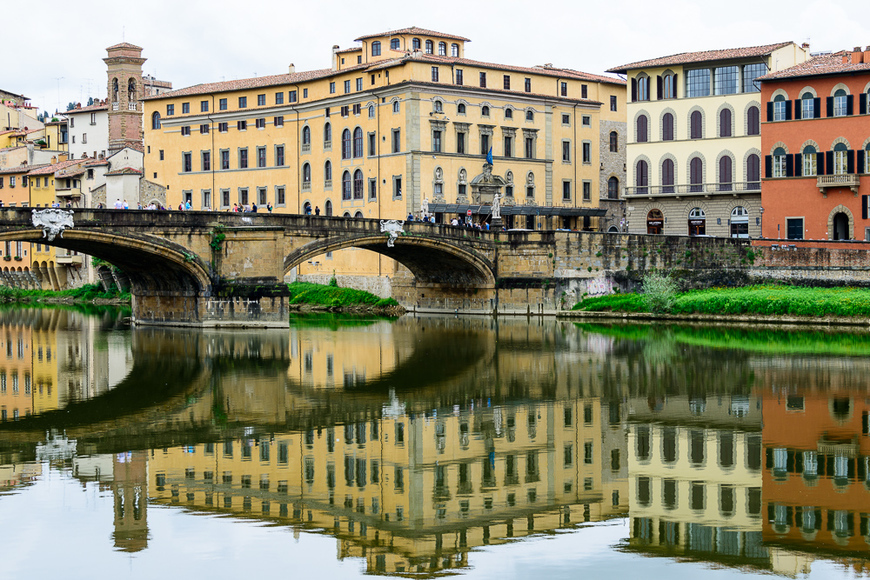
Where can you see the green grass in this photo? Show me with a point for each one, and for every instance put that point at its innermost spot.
(333, 296)
(85, 293)
(767, 300)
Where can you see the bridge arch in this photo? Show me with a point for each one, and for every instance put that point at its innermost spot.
(156, 265)
(431, 260)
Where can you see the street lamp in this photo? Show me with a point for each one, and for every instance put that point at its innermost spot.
(761, 221)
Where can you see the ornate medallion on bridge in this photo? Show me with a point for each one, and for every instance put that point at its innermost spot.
(394, 228)
(52, 221)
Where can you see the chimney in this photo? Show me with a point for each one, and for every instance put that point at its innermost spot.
(53, 159)
(292, 68)
(857, 55)
(805, 46)
(867, 54)
(334, 57)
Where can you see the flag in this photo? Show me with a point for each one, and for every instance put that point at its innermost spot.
(489, 156)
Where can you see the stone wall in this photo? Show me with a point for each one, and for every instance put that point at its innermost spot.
(380, 286)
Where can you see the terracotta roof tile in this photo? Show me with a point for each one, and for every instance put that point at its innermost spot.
(20, 169)
(540, 70)
(415, 30)
(252, 83)
(124, 45)
(103, 107)
(124, 171)
(346, 50)
(827, 64)
(701, 56)
(50, 169)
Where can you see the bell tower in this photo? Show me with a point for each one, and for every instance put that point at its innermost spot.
(125, 89)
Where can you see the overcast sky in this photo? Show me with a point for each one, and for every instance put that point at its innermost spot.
(54, 49)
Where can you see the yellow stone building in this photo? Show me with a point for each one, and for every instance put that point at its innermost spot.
(401, 118)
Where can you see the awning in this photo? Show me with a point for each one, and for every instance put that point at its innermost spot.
(462, 209)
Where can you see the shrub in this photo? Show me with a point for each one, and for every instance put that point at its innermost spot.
(659, 292)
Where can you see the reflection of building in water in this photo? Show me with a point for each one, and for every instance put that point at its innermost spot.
(817, 471)
(16, 399)
(414, 493)
(695, 478)
(16, 475)
(130, 488)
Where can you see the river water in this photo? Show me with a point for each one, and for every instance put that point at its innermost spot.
(427, 446)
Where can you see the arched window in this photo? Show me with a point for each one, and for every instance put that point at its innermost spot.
(779, 108)
(371, 111)
(327, 135)
(669, 86)
(613, 188)
(460, 108)
(508, 113)
(808, 109)
(696, 175)
(697, 222)
(667, 127)
(327, 173)
(358, 184)
(668, 176)
(530, 115)
(753, 121)
(725, 174)
(454, 49)
(415, 44)
(841, 155)
(345, 144)
(131, 90)
(753, 172)
(779, 162)
(614, 142)
(306, 135)
(115, 89)
(696, 125)
(438, 106)
(809, 161)
(358, 215)
(357, 142)
(739, 222)
(642, 130)
(442, 49)
(841, 103)
(345, 185)
(395, 43)
(396, 106)
(484, 111)
(641, 88)
(654, 222)
(430, 47)
(155, 120)
(306, 175)
(725, 123)
(328, 207)
(641, 177)
(376, 48)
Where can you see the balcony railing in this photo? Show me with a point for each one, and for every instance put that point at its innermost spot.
(695, 189)
(68, 259)
(849, 180)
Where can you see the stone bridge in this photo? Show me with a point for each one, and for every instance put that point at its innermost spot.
(218, 268)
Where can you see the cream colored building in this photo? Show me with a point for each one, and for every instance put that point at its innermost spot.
(694, 148)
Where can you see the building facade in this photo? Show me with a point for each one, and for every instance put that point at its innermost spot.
(815, 138)
(694, 156)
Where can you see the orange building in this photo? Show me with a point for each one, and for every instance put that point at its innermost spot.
(815, 484)
(815, 140)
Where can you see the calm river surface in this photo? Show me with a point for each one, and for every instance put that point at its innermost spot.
(422, 447)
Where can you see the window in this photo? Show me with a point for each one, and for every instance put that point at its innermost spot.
(358, 184)
(395, 43)
(460, 109)
(279, 121)
(327, 136)
(484, 143)
(206, 160)
(225, 158)
(454, 49)
(185, 131)
(155, 122)
(357, 142)
(203, 129)
(753, 172)
(507, 82)
(696, 175)
(587, 152)
(841, 155)
(242, 125)
(261, 123)
(696, 125)
(527, 85)
(794, 228)
(347, 86)
(222, 104)
(483, 80)
(698, 83)
(243, 158)
(430, 47)
(563, 89)
(397, 194)
(841, 102)
(587, 120)
(484, 111)
(739, 222)
(292, 95)
(397, 140)
(306, 138)
(327, 174)
(566, 119)
(434, 74)
(614, 142)
(279, 98)
(725, 80)
(566, 151)
(415, 44)
(641, 176)
(243, 102)
(587, 191)
(223, 127)
(667, 127)
(458, 76)
(345, 186)
(753, 121)
(725, 174)
(779, 162)
(750, 73)
(376, 48)
(371, 111)
(669, 86)
(779, 108)
(185, 108)
(508, 113)
(460, 142)
(530, 148)
(436, 141)
(243, 200)
(530, 115)
(373, 144)
(642, 88)
(306, 176)
(566, 191)
(170, 110)
(725, 122)
(442, 49)
(186, 162)
(612, 188)
(807, 110)
(612, 102)
(641, 133)
(279, 155)
(508, 146)
(261, 100)
(396, 106)
(261, 157)
(345, 144)
(809, 160)
(332, 88)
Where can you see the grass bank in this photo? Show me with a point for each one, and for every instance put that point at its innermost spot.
(762, 300)
(334, 298)
(86, 294)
